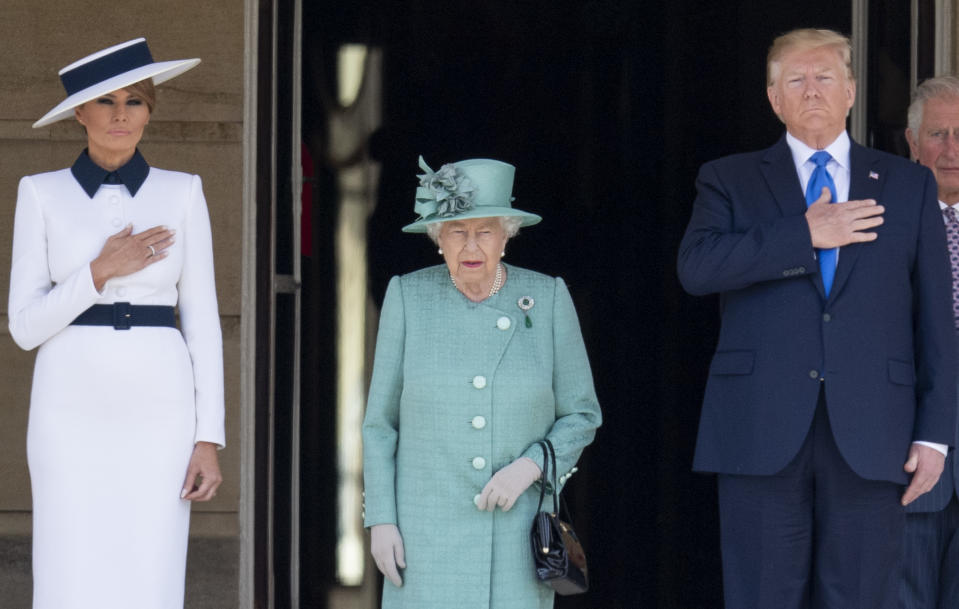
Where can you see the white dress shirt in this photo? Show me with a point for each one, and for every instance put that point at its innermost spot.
(838, 166)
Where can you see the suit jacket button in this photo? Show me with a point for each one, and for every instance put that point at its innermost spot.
(478, 422)
(813, 374)
(826, 317)
(503, 323)
(479, 462)
(801, 269)
(479, 381)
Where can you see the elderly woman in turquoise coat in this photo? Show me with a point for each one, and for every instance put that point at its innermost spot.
(476, 361)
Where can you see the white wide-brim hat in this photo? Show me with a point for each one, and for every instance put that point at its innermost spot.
(108, 70)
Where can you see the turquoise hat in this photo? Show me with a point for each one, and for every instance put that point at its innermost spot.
(475, 188)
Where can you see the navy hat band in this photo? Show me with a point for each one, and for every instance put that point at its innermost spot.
(100, 69)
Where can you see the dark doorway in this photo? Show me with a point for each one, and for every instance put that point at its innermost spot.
(607, 109)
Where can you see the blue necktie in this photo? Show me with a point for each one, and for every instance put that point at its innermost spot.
(820, 178)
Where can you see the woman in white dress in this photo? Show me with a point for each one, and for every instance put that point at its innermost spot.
(126, 411)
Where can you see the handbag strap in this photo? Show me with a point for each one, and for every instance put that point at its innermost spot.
(549, 457)
(545, 476)
(552, 459)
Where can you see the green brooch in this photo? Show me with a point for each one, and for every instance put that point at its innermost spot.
(526, 303)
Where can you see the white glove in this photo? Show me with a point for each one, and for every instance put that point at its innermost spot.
(506, 485)
(386, 546)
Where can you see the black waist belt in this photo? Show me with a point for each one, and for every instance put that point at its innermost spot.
(123, 316)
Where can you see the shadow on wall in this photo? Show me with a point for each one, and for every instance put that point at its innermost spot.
(212, 571)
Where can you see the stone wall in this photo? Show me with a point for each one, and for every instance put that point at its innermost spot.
(197, 127)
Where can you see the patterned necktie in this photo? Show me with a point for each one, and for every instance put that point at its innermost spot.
(952, 238)
(819, 179)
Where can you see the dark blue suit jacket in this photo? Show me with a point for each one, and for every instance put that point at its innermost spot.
(883, 340)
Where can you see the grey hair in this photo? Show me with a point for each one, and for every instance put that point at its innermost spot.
(510, 226)
(941, 86)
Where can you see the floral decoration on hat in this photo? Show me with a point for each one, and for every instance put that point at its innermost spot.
(444, 193)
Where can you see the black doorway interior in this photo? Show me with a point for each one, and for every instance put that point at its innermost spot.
(607, 109)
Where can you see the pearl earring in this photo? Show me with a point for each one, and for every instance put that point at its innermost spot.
(503, 253)
(440, 251)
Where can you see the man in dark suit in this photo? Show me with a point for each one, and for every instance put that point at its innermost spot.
(833, 383)
(931, 546)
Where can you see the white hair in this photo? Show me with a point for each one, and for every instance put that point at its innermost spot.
(934, 88)
(510, 226)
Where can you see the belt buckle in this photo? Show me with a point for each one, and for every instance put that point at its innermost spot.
(121, 316)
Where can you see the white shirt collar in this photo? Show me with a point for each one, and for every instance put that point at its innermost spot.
(838, 150)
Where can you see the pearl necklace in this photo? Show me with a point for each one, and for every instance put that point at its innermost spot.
(497, 281)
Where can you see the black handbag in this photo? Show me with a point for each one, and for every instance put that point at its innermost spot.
(557, 553)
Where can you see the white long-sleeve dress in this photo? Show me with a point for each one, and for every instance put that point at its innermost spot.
(114, 414)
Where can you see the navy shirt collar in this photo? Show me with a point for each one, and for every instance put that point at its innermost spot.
(90, 175)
